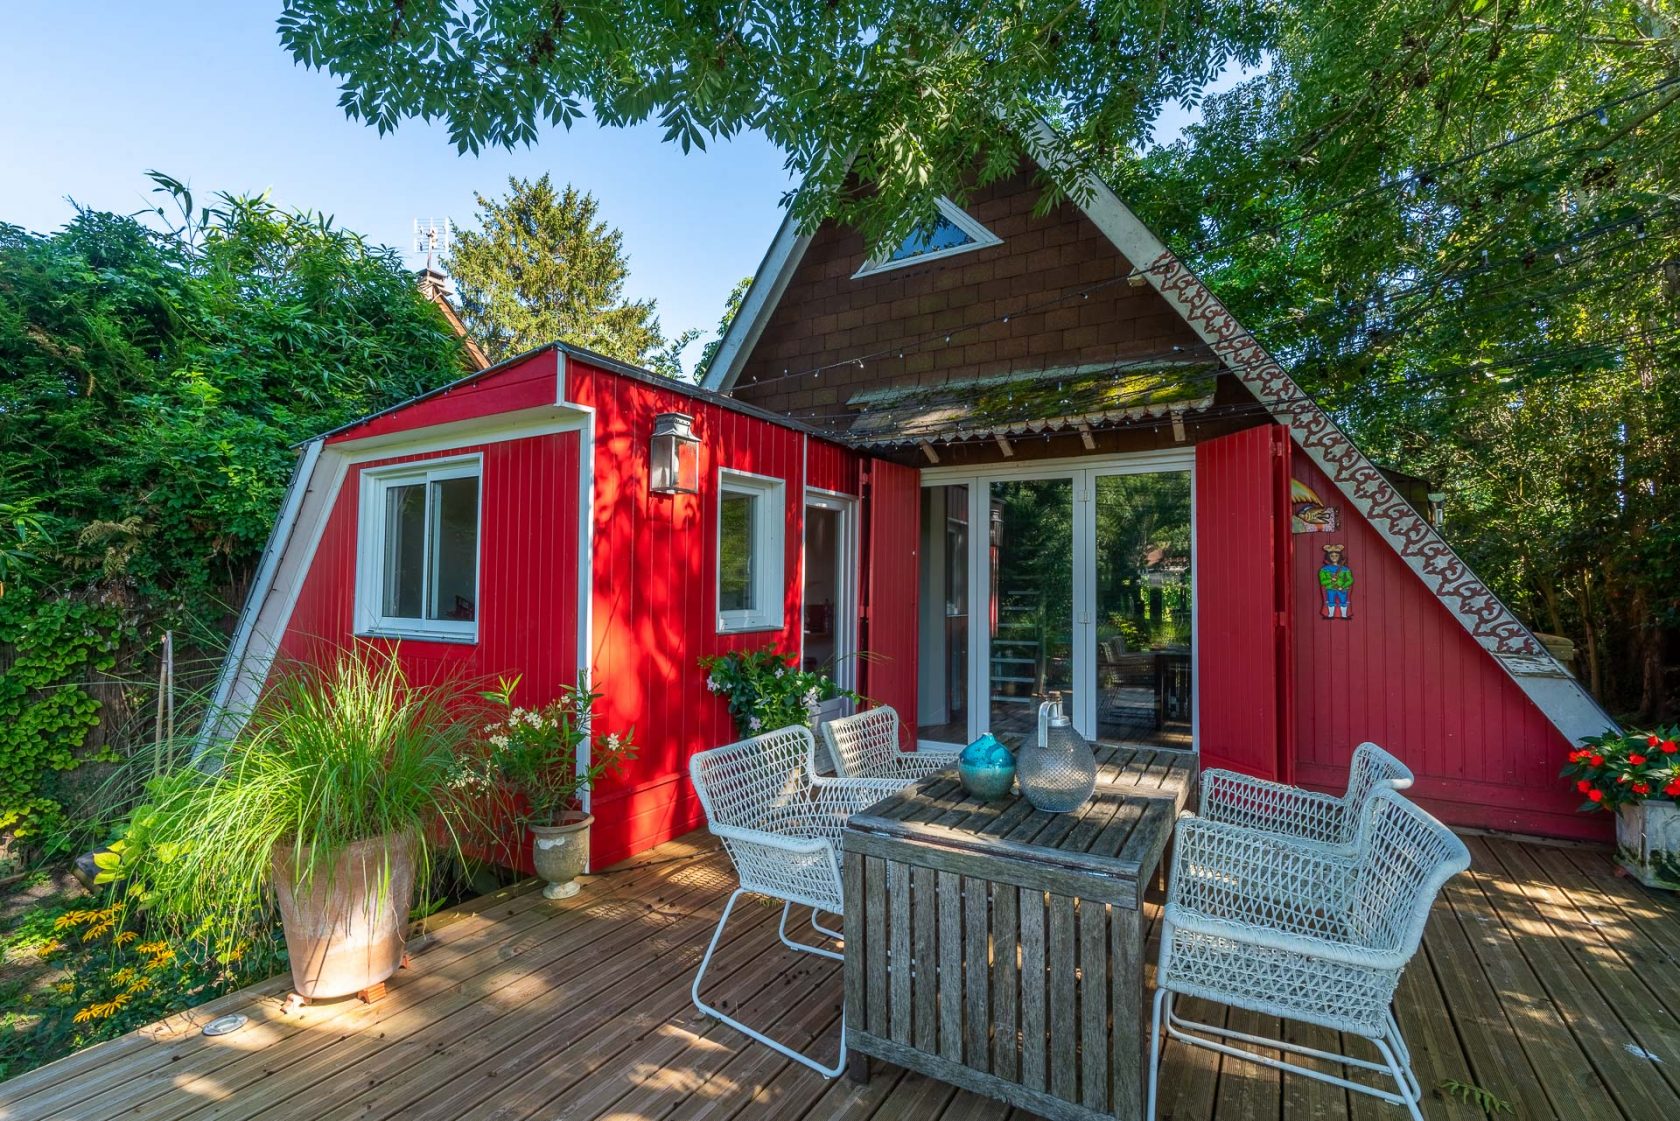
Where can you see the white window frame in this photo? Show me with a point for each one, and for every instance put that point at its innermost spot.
(958, 217)
(769, 545)
(371, 550)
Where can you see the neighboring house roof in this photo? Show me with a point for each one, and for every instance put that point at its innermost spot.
(1559, 695)
(433, 287)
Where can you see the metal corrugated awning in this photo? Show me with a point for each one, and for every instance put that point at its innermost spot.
(1023, 404)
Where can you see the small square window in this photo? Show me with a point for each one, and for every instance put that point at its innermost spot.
(417, 556)
(749, 552)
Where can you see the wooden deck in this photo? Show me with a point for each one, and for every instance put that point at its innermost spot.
(1545, 979)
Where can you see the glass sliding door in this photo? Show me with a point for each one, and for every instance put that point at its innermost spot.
(942, 657)
(1030, 552)
(1077, 581)
(1142, 608)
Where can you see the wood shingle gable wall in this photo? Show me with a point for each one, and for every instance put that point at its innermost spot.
(804, 312)
(1057, 278)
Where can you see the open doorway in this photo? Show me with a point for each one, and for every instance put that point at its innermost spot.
(829, 602)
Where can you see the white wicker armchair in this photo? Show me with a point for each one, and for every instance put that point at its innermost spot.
(865, 745)
(781, 826)
(1272, 807)
(1299, 930)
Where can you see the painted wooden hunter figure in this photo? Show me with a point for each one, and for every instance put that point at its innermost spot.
(1336, 578)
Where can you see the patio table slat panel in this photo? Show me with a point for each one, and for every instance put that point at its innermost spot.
(1070, 880)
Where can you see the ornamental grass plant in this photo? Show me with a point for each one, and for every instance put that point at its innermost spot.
(333, 755)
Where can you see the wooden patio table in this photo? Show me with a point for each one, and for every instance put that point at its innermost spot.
(999, 948)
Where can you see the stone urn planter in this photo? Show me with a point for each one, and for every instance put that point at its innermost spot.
(1648, 842)
(561, 853)
(346, 926)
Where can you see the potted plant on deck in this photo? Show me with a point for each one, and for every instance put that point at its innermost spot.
(537, 763)
(330, 802)
(1636, 775)
(766, 689)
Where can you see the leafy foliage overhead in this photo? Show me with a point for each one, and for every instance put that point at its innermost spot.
(155, 386)
(542, 267)
(1458, 224)
(909, 95)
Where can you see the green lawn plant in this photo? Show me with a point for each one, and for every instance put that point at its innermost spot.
(532, 761)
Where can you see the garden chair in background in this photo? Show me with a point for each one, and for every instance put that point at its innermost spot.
(1272, 807)
(865, 745)
(1295, 929)
(780, 825)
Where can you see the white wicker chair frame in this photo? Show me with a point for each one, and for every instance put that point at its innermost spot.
(865, 745)
(1295, 929)
(1272, 807)
(780, 825)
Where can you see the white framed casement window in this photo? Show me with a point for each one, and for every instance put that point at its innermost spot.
(417, 550)
(750, 526)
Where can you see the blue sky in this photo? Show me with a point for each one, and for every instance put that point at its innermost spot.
(96, 93)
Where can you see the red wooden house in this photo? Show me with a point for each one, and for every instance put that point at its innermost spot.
(1018, 453)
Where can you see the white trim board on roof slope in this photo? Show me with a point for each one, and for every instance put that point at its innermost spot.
(1559, 696)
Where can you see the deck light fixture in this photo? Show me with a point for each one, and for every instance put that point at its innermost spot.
(674, 466)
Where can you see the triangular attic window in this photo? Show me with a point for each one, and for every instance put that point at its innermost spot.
(952, 232)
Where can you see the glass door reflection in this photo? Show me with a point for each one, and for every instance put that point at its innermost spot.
(942, 708)
(1143, 608)
(1030, 539)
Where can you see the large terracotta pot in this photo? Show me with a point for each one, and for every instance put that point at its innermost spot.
(346, 928)
(560, 853)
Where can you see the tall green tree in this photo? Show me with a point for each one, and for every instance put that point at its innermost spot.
(542, 266)
(1456, 222)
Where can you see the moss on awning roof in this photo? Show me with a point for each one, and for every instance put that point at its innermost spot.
(1018, 404)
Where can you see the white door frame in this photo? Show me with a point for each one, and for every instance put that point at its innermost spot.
(845, 579)
(1083, 471)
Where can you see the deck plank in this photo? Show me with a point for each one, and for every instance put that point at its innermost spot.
(1537, 967)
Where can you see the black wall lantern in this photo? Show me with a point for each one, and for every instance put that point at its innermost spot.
(674, 466)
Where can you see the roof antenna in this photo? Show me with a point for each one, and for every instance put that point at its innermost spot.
(431, 237)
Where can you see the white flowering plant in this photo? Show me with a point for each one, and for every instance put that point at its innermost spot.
(529, 757)
(766, 690)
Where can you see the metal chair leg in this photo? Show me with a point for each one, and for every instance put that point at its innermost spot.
(803, 947)
(1155, 1018)
(780, 1048)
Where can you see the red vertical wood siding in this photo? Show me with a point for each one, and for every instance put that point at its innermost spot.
(831, 467)
(1403, 673)
(527, 384)
(1238, 587)
(893, 509)
(655, 597)
(527, 609)
(527, 603)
